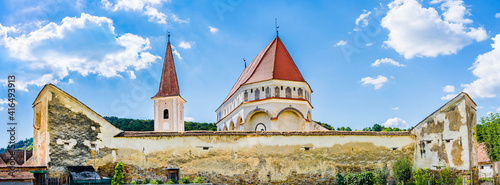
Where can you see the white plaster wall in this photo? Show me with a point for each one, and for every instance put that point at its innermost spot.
(486, 171)
(175, 106)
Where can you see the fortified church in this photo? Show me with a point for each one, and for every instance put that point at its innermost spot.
(265, 133)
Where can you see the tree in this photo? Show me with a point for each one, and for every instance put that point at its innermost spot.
(119, 174)
(403, 169)
(377, 128)
(488, 132)
(348, 129)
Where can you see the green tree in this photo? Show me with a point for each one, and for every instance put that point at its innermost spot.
(421, 176)
(382, 175)
(488, 132)
(444, 175)
(403, 169)
(377, 128)
(119, 174)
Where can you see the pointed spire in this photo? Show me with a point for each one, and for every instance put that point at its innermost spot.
(277, 27)
(169, 86)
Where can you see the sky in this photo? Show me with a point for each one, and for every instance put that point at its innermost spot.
(368, 62)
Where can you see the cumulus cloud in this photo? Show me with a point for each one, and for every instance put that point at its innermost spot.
(448, 97)
(146, 7)
(1, 108)
(186, 45)
(363, 19)
(188, 119)
(341, 43)
(387, 61)
(177, 54)
(487, 69)
(415, 31)
(449, 88)
(497, 15)
(376, 82)
(395, 122)
(213, 29)
(55, 50)
(395, 108)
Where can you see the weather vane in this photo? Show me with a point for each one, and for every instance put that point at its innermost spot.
(168, 33)
(276, 24)
(245, 62)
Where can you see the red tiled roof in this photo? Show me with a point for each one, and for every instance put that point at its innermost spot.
(273, 62)
(482, 154)
(258, 133)
(168, 84)
(18, 176)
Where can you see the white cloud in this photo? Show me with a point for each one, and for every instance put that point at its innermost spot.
(487, 69)
(489, 112)
(498, 110)
(57, 49)
(395, 108)
(376, 82)
(479, 107)
(131, 74)
(188, 119)
(497, 15)
(186, 45)
(387, 61)
(421, 32)
(146, 7)
(369, 44)
(363, 18)
(395, 122)
(6, 101)
(341, 43)
(448, 97)
(1, 108)
(449, 88)
(177, 54)
(70, 81)
(213, 29)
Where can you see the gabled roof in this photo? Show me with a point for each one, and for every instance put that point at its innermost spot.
(168, 84)
(482, 154)
(273, 62)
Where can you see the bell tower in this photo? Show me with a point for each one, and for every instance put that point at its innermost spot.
(168, 103)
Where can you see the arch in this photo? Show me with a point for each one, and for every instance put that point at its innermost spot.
(288, 92)
(300, 93)
(276, 91)
(257, 110)
(260, 127)
(257, 117)
(245, 96)
(238, 123)
(307, 95)
(268, 92)
(291, 109)
(257, 94)
(225, 127)
(231, 126)
(165, 114)
(309, 115)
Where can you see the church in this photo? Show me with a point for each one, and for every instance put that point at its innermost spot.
(265, 133)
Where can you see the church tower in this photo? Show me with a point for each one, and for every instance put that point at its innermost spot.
(168, 103)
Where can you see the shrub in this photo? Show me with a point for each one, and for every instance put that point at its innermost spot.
(351, 179)
(422, 177)
(146, 181)
(459, 180)
(133, 182)
(119, 174)
(170, 181)
(444, 175)
(184, 180)
(340, 179)
(366, 178)
(153, 182)
(382, 175)
(403, 169)
(198, 180)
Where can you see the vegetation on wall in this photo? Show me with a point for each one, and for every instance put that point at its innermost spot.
(375, 128)
(488, 132)
(403, 170)
(119, 175)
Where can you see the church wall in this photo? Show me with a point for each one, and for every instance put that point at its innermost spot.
(290, 121)
(446, 136)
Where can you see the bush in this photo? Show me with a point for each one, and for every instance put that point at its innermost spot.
(184, 180)
(351, 179)
(198, 180)
(366, 178)
(170, 181)
(422, 177)
(146, 181)
(444, 175)
(403, 169)
(133, 182)
(382, 175)
(153, 182)
(119, 174)
(340, 179)
(459, 180)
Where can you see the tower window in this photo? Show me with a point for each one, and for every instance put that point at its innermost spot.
(288, 92)
(165, 114)
(300, 93)
(257, 94)
(245, 96)
(276, 91)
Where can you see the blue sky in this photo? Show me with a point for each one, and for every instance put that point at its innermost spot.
(386, 62)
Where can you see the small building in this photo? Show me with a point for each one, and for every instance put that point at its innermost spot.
(485, 167)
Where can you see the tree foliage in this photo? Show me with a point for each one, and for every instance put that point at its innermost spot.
(488, 132)
(119, 174)
(127, 124)
(403, 169)
(28, 142)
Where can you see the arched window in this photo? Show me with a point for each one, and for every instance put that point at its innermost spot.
(307, 95)
(299, 92)
(276, 91)
(257, 94)
(245, 96)
(288, 92)
(165, 114)
(268, 92)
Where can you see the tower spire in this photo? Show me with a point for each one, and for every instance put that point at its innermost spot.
(168, 32)
(169, 86)
(276, 25)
